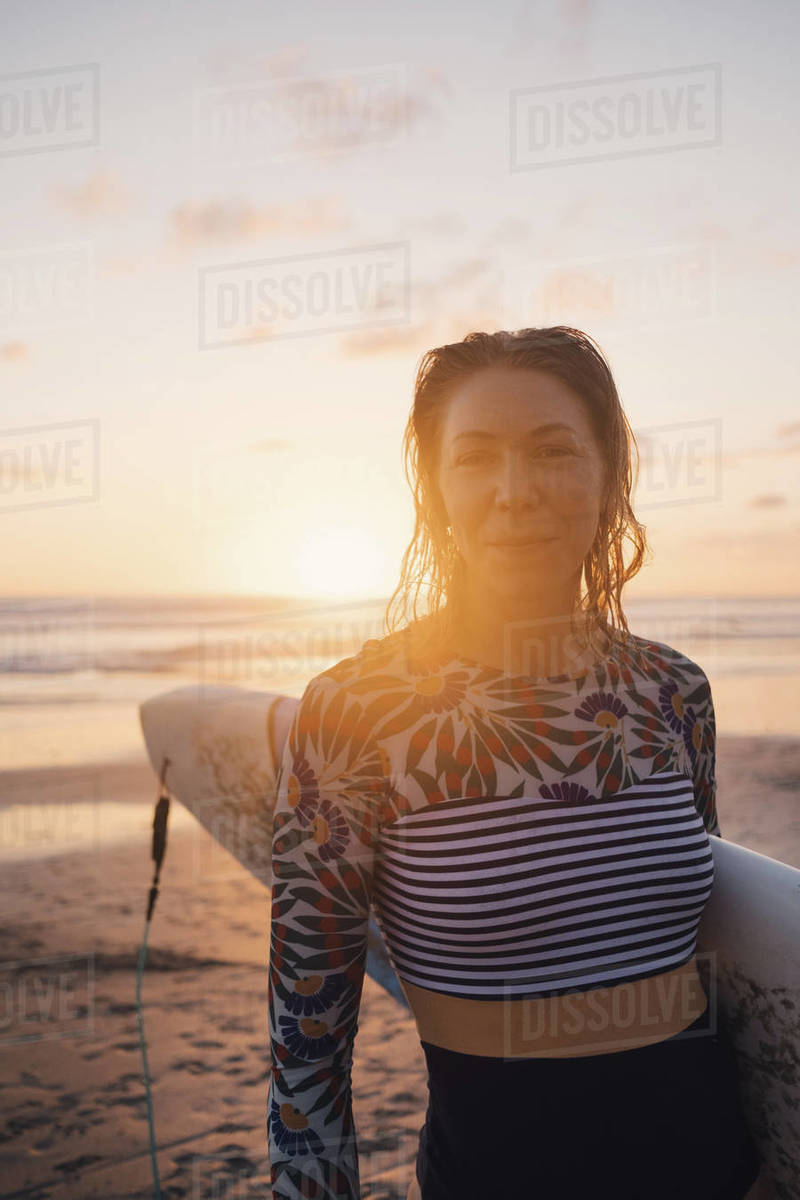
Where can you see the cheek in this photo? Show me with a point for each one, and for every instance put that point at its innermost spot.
(575, 491)
(464, 502)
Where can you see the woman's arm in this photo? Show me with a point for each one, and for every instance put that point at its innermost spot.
(324, 835)
(704, 740)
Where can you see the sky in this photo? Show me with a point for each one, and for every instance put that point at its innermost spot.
(229, 232)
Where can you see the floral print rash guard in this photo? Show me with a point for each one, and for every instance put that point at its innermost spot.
(464, 804)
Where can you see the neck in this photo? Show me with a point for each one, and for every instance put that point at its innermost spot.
(520, 638)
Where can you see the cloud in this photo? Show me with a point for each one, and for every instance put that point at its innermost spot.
(390, 340)
(234, 66)
(259, 331)
(122, 266)
(781, 259)
(449, 224)
(18, 470)
(14, 351)
(436, 79)
(577, 20)
(562, 25)
(422, 105)
(577, 12)
(473, 320)
(99, 195)
(768, 500)
(353, 111)
(789, 435)
(462, 298)
(236, 219)
(418, 338)
(316, 115)
(284, 62)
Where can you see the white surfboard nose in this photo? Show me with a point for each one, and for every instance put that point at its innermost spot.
(223, 748)
(172, 722)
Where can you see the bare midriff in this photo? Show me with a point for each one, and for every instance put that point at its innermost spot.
(599, 1021)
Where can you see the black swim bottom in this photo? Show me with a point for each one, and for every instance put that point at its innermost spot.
(659, 1122)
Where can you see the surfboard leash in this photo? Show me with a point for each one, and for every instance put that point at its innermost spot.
(159, 846)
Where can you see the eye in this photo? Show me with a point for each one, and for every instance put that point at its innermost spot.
(468, 460)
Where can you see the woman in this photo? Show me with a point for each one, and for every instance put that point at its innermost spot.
(524, 790)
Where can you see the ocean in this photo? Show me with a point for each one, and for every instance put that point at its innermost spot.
(73, 670)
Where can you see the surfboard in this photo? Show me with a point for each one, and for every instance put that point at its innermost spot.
(224, 746)
(748, 946)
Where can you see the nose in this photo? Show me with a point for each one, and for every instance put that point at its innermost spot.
(517, 484)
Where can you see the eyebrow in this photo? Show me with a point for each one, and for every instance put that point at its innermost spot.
(539, 431)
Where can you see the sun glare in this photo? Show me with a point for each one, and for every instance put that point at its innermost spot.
(338, 562)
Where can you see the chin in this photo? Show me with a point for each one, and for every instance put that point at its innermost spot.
(517, 590)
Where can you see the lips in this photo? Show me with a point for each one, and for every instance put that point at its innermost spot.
(518, 542)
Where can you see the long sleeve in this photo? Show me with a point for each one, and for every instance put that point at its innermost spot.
(329, 787)
(703, 733)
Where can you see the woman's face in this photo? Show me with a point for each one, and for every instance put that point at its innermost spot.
(503, 476)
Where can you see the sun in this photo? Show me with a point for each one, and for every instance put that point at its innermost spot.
(338, 562)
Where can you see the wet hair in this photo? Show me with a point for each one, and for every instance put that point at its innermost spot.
(431, 562)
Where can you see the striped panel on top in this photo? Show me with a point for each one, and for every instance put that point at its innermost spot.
(511, 898)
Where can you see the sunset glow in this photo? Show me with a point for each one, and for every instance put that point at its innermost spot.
(337, 562)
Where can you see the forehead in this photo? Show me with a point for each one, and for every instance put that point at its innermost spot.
(511, 401)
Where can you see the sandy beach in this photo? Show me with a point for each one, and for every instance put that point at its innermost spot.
(74, 1114)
